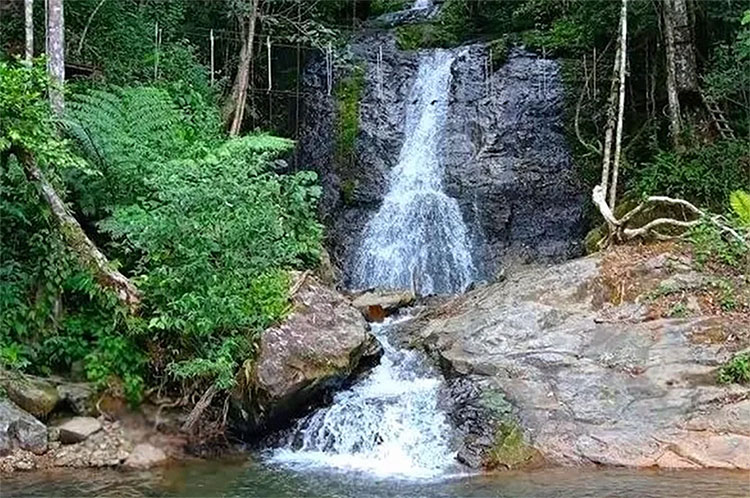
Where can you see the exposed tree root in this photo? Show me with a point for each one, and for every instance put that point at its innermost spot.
(620, 231)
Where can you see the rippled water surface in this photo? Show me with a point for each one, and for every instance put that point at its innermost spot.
(265, 480)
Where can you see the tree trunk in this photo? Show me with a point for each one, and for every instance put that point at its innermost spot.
(238, 97)
(675, 121)
(89, 255)
(611, 119)
(678, 22)
(56, 54)
(621, 103)
(29, 24)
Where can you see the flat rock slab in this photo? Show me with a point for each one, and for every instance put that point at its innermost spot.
(78, 429)
(144, 456)
(586, 386)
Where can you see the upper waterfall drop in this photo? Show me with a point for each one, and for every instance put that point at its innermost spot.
(422, 4)
(418, 238)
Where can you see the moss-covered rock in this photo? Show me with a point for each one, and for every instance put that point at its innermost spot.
(35, 396)
(509, 449)
(594, 237)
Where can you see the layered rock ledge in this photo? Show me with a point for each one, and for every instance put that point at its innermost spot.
(587, 380)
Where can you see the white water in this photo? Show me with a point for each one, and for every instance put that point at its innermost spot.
(422, 4)
(418, 239)
(388, 424)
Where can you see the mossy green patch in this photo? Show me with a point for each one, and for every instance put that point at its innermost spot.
(378, 7)
(348, 94)
(347, 190)
(509, 450)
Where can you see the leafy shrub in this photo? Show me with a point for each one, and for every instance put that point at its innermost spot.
(740, 202)
(705, 175)
(737, 370)
(123, 133)
(213, 236)
(204, 227)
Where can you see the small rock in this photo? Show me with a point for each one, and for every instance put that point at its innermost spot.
(80, 397)
(376, 305)
(78, 429)
(53, 433)
(35, 396)
(144, 456)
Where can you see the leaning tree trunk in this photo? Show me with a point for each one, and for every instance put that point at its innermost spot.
(28, 9)
(89, 255)
(56, 54)
(239, 89)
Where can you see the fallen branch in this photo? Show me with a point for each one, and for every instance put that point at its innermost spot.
(199, 408)
(619, 230)
(78, 241)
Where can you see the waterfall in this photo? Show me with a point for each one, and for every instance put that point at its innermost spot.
(388, 424)
(418, 239)
(422, 4)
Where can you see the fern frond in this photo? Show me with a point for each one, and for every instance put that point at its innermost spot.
(740, 202)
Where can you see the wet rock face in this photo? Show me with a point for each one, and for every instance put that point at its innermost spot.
(317, 347)
(506, 159)
(589, 382)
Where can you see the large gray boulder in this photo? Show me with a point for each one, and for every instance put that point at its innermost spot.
(19, 429)
(587, 381)
(34, 395)
(317, 347)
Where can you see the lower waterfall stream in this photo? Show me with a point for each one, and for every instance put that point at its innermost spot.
(388, 424)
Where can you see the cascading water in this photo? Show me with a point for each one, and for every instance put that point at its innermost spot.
(422, 4)
(418, 239)
(388, 424)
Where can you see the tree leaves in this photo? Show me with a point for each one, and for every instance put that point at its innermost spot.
(740, 202)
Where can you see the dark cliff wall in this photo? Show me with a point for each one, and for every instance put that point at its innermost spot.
(506, 158)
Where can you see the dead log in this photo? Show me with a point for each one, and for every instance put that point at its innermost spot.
(87, 252)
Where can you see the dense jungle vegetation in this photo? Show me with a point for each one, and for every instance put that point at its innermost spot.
(191, 191)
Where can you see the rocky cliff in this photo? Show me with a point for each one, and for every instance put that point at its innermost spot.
(506, 158)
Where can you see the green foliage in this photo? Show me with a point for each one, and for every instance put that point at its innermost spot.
(204, 227)
(450, 28)
(740, 202)
(705, 175)
(213, 237)
(123, 132)
(710, 245)
(348, 93)
(736, 371)
(378, 7)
